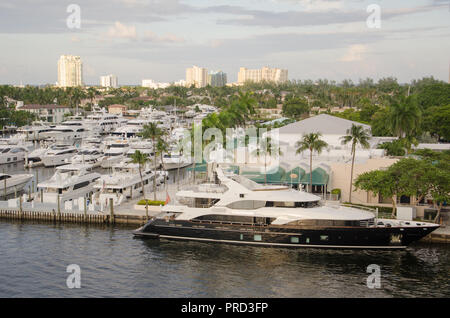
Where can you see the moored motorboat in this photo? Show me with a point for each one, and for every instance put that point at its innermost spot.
(234, 209)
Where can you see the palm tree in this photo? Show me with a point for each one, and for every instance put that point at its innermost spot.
(161, 148)
(151, 131)
(404, 119)
(180, 153)
(265, 148)
(91, 92)
(311, 142)
(76, 95)
(141, 159)
(356, 135)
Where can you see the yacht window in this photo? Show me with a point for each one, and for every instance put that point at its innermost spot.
(81, 185)
(246, 205)
(5, 150)
(295, 239)
(16, 150)
(290, 204)
(5, 176)
(257, 237)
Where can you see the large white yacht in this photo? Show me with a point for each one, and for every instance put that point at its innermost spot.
(66, 132)
(69, 182)
(14, 183)
(34, 131)
(57, 155)
(102, 122)
(88, 156)
(115, 152)
(237, 210)
(12, 153)
(123, 183)
(173, 160)
(132, 128)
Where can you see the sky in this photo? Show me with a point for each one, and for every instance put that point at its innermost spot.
(159, 39)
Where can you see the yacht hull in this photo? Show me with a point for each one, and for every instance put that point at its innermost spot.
(279, 236)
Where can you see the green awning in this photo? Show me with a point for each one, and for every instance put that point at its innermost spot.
(257, 176)
(199, 167)
(293, 176)
(319, 177)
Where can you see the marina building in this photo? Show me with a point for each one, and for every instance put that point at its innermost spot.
(276, 75)
(117, 109)
(70, 71)
(109, 81)
(197, 76)
(331, 168)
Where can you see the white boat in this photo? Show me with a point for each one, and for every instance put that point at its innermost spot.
(68, 131)
(69, 182)
(233, 209)
(173, 160)
(123, 183)
(132, 128)
(14, 183)
(102, 122)
(12, 153)
(88, 156)
(57, 154)
(115, 152)
(34, 131)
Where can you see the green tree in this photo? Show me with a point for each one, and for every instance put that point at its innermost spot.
(141, 159)
(356, 135)
(311, 142)
(404, 117)
(295, 107)
(151, 131)
(162, 147)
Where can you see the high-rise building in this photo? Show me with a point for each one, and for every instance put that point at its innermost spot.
(217, 78)
(264, 74)
(70, 71)
(197, 76)
(109, 81)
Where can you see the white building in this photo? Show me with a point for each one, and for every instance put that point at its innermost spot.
(49, 113)
(152, 84)
(197, 76)
(276, 75)
(70, 71)
(109, 81)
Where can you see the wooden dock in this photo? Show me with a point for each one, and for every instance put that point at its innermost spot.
(72, 217)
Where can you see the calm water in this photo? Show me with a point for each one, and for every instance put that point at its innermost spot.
(34, 257)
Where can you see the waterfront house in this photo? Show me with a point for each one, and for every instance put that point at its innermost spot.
(51, 113)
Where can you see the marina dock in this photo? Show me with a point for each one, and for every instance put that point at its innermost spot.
(126, 213)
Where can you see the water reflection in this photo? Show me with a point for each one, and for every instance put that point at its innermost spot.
(113, 263)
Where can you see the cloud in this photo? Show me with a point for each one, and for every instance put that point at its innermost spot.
(120, 30)
(324, 16)
(355, 53)
(167, 38)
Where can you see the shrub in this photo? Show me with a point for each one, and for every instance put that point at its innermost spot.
(151, 202)
(336, 191)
